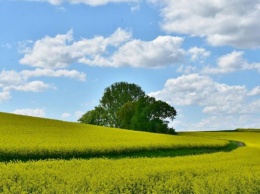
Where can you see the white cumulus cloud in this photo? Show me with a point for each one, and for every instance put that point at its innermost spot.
(213, 97)
(221, 22)
(53, 73)
(221, 122)
(198, 53)
(20, 81)
(8, 78)
(60, 51)
(31, 112)
(33, 86)
(255, 91)
(160, 52)
(49, 52)
(4, 96)
(231, 62)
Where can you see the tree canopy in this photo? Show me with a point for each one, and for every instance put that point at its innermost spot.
(116, 96)
(125, 105)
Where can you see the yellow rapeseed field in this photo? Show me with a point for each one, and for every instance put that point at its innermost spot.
(36, 138)
(237, 171)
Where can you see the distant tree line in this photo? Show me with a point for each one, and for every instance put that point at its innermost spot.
(126, 106)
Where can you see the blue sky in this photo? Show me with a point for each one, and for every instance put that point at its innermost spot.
(202, 57)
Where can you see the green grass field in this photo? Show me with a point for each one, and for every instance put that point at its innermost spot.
(48, 156)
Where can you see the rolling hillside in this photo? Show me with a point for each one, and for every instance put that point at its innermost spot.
(49, 156)
(24, 137)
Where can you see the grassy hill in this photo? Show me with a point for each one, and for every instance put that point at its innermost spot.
(24, 137)
(89, 167)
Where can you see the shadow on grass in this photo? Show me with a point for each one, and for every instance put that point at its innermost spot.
(154, 153)
(178, 151)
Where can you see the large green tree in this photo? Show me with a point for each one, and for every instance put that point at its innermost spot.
(125, 105)
(147, 114)
(115, 96)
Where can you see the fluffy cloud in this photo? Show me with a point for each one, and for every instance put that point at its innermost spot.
(255, 91)
(34, 86)
(20, 81)
(53, 73)
(88, 2)
(10, 78)
(160, 52)
(4, 96)
(31, 112)
(231, 62)
(220, 122)
(60, 51)
(13, 78)
(233, 22)
(49, 52)
(213, 97)
(198, 53)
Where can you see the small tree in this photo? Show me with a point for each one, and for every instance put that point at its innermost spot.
(95, 117)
